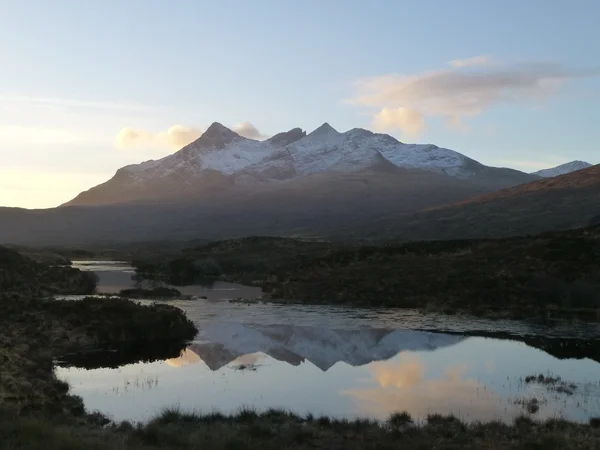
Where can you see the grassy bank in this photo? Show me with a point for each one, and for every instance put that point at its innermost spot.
(277, 430)
(23, 277)
(533, 275)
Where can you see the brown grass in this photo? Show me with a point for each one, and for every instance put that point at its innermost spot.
(278, 429)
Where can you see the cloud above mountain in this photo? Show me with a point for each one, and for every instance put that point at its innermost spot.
(410, 121)
(249, 131)
(174, 138)
(469, 88)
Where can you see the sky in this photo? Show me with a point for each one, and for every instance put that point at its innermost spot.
(88, 87)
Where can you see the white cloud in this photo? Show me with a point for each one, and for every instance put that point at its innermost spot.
(174, 138)
(460, 92)
(474, 61)
(249, 131)
(410, 121)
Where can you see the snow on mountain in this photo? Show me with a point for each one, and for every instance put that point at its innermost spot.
(218, 149)
(292, 154)
(326, 149)
(219, 343)
(221, 157)
(323, 149)
(563, 169)
(431, 157)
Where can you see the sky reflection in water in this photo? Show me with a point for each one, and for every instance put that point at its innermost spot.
(476, 379)
(330, 361)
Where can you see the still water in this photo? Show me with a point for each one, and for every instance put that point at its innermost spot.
(346, 362)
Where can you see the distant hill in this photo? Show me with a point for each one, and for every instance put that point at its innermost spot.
(559, 203)
(563, 169)
(316, 205)
(377, 204)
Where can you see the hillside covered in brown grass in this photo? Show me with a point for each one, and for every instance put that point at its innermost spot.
(560, 203)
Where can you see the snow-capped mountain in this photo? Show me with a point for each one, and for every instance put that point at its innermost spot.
(294, 152)
(563, 169)
(218, 149)
(221, 158)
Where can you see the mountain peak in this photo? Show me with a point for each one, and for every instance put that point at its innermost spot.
(217, 129)
(324, 129)
(217, 135)
(287, 137)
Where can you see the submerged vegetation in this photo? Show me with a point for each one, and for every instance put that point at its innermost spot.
(544, 274)
(553, 384)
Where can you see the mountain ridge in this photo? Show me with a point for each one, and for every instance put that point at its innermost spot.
(221, 158)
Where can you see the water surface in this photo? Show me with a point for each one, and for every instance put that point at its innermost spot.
(347, 362)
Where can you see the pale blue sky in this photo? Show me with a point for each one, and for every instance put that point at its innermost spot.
(74, 73)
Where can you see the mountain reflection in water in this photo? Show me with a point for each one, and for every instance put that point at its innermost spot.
(342, 373)
(338, 361)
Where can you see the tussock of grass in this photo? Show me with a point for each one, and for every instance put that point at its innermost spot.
(400, 419)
